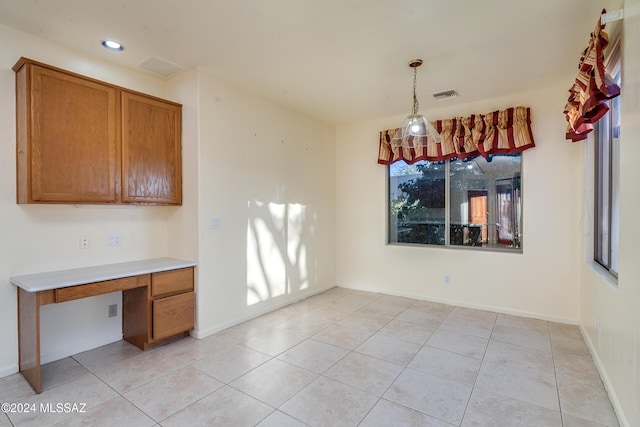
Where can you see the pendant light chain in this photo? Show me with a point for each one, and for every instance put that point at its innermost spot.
(416, 106)
(416, 128)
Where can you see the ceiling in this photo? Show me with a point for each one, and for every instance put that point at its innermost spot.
(338, 61)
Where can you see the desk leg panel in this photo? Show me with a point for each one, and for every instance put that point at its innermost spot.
(29, 337)
(135, 316)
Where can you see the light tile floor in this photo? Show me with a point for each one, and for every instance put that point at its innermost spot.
(340, 358)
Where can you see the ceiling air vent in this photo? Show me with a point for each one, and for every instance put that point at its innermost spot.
(160, 66)
(451, 93)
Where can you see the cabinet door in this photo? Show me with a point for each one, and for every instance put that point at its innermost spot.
(151, 150)
(72, 139)
(173, 315)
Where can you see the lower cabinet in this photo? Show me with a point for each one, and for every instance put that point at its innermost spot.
(160, 311)
(173, 315)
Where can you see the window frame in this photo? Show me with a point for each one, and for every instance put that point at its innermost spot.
(447, 211)
(613, 63)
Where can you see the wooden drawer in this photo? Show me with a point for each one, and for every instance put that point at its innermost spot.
(98, 288)
(173, 315)
(172, 282)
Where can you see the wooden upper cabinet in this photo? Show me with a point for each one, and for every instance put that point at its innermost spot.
(67, 142)
(80, 140)
(151, 150)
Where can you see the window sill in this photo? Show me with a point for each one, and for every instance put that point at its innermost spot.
(605, 274)
(488, 248)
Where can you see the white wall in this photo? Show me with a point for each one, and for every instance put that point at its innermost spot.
(183, 231)
(540, 282)
(617, 347)
(267, 177)
(42, 238)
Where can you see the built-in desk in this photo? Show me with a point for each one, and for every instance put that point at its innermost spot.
(157, 302)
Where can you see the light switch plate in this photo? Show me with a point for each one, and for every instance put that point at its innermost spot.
(114, 240)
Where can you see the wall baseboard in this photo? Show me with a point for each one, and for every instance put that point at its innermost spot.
(69, 351)
(85, 346)
(613, 397)
(203, 333)
(8, 370)
(495, 309)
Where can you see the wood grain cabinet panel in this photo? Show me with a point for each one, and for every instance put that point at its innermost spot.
(173, 315)
(81, 140)
(151, 150)
(67, 141)
(172, 282)
(91, 289)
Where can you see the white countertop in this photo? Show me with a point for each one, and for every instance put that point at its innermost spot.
(79, 276)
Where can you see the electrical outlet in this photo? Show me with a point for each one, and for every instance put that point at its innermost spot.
(447, 279)
(113, 310)
(84, 242)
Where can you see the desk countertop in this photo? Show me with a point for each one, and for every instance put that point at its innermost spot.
(79, 276)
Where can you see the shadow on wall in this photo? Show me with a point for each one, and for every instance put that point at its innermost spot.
(279, 261)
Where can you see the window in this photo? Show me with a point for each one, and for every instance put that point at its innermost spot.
(473, 202)
(607, 181)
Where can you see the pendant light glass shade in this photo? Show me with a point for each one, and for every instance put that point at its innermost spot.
(416, 129)
(416, 125)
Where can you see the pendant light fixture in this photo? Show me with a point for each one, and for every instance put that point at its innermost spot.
(416, 129)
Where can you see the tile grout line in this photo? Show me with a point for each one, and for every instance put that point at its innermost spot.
(475, 381)
(555, 376)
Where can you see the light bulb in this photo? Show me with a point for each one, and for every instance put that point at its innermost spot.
(112, 45)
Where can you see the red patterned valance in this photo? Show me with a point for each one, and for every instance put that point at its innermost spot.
(592, 88)
(498, 132)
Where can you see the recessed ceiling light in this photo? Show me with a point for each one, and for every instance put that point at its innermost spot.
(112, 45)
